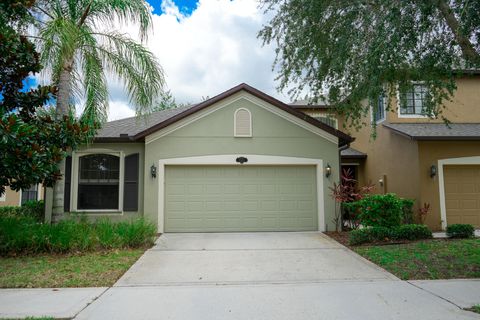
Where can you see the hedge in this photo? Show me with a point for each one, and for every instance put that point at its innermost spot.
(404, 232)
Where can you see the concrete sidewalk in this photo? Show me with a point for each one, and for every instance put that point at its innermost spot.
(352, 300)
(57, 303)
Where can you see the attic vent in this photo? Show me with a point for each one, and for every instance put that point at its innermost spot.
(243, 123)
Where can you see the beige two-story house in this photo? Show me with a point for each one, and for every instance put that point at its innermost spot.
(418, 157)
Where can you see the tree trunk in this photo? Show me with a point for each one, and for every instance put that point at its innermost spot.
(63, 106)
(463, 41)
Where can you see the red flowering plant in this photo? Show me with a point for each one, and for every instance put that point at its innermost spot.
(344, 193)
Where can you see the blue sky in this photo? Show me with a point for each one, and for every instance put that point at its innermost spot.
(186, 7)
(205, 47)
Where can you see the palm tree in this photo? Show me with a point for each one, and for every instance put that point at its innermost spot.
(79, 55)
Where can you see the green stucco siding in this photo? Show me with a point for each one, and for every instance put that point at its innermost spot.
(240, 198)
(213, 135)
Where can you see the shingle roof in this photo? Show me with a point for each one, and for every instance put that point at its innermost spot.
(352, 153)
(305, 104)
(437, 131)
(134, 125)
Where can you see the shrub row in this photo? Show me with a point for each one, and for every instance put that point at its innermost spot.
(382, 210)
(23, 234)
(404, 232)
(34, 209)
(460, 231)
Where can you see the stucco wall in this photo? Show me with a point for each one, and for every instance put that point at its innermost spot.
(463, 107)
(429, 153)
(12, 198)
(213, 135)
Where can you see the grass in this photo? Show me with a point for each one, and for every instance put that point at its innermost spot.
(93, 269)
(24, 235)
(475, 308)
(433, 259)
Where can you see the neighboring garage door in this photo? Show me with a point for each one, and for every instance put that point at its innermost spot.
(240, 198)
(462, 194)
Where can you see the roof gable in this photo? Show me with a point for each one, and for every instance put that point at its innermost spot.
(166, 118)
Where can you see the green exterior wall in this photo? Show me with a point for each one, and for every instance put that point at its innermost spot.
(213, 135)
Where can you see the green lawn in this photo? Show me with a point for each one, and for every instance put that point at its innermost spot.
(96, 269)
(434, 259)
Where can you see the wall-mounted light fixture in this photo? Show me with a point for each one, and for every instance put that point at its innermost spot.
(433, 171)
(328, 171)
(153, 171)
(241, 160)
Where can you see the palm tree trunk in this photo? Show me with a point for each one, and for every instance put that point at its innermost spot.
(63, 98)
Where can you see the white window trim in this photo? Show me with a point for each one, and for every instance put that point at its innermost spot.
(399, 104)
(235, 134)
(230, 160)
(74, 181)
(441, 181)
(372, 118)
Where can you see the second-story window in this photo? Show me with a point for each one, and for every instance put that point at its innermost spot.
(329, 120)
(379, 109)
(412, 101)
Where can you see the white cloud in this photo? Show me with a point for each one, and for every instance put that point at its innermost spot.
(207, 52)
(119, 109)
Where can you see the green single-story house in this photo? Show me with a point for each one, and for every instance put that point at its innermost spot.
(240, 161)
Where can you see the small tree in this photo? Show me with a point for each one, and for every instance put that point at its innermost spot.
(32, 140)
(345, 192)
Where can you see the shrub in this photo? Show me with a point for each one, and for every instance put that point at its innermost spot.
(404, 232)
(22, 234)
(34, 209)
(359, 236)
(460, 231)
(407, 211)
(411, 232)
(380, 210)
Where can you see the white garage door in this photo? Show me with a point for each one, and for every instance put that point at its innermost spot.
(240, 198)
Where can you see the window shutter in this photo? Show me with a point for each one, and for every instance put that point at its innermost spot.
(130, 185)
(68, 182)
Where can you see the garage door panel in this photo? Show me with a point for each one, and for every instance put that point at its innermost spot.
(462, 194)
(234, 198)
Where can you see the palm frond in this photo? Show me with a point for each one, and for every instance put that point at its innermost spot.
(135, 66)
(96, 91)
(123, 11)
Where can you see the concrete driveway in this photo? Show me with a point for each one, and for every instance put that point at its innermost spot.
(277, 276)
(248, 258)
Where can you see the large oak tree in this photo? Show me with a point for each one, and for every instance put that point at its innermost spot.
(355, 49)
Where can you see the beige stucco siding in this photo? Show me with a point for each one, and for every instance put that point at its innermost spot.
(463, 107)
(213, 134)
(10, 198)
(127, 149)
(429, 154)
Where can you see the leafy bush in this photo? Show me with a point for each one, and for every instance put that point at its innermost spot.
(23, 234)
(460, 231)
(380, 210)
(404, 232)
(407, 211)
(411, 232)
(34, 209)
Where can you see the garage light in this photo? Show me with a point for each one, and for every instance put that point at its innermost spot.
(153, 171)
(433, 171)
(328, 170)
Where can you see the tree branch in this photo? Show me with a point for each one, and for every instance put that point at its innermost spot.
(85, 14)
(469, 52)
